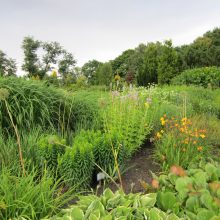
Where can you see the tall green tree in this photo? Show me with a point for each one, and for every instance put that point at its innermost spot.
(148, 70)
(66, 65)
(104, 74)
(167, 63)
(51, 55)
(121, 64)
(7, 65)
(52, 51)
(89, 70)
(31, 60)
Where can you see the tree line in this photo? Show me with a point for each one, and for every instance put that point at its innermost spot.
(154, 62)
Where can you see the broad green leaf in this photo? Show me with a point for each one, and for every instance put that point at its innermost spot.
(154, 214)
(77, 213)
(148, 200)
(205, 215)
(192, 204)
(182, 186)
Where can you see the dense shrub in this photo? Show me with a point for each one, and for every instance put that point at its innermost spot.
(205, 76)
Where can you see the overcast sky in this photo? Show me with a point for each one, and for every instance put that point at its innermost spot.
(102, 29)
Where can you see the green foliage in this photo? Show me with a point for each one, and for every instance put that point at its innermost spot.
(121, 64)
(89, 70)
(193, 193)
(117, 205)
(197, 99)
(104, 74)
(148, 72)
(206, 77)
(30, 196)
(30, 47)
(33, 103)
(167, 63)
(7, 65)
(53, 53)
(50, 149)
(66, 67)
(130, 116)
(105, 146)
(211, 124)
(86, 110)
(204, 51)
(77, 164)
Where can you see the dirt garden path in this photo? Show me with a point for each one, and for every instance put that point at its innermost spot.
(139, 168)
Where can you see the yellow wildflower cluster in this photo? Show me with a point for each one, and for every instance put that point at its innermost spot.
(117, 77)
(35, 77)
(183, 131)
(54, 74)
(163, 120)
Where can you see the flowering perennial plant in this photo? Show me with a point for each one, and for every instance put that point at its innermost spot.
(179, 143)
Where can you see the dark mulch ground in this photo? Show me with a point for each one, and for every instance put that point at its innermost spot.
(138, 169)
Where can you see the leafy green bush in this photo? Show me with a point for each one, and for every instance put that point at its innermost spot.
(205, 76)
(30, 196)
(50, 148)
(194, 193)
(117, 205)
(77, 164)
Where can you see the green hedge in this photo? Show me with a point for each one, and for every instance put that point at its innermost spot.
(205, 76)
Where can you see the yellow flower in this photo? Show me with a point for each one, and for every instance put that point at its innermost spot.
(54, 74)
(162, 131)
(202, 135)
(158, 135)
(117, 77)
(199, 148)
(182, 129)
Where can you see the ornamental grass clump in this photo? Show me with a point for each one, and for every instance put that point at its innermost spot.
(178, 142)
